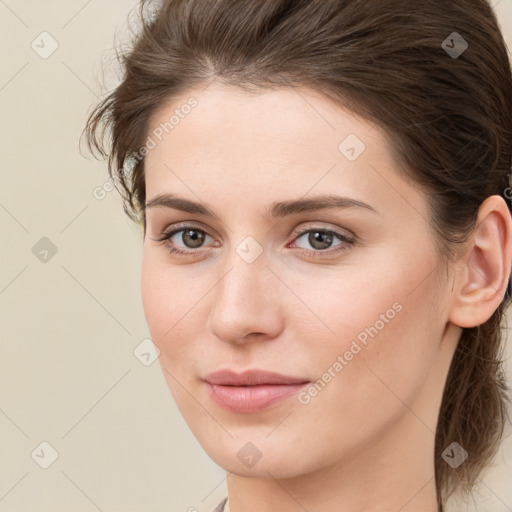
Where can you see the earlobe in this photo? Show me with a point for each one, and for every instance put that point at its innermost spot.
(484, 274)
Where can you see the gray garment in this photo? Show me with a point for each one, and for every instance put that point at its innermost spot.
(220, 506)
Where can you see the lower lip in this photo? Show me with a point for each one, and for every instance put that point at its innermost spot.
(246, 399)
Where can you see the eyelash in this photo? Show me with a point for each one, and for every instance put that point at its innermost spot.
(341, 248)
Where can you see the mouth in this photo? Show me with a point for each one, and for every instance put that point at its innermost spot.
(251, 391)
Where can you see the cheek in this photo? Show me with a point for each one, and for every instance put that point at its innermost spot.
(386, 335)
(171, 297)
(164, 304)
(160, 291)
(346, 304)
(154, 296)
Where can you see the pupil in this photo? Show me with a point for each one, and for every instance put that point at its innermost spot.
(196, 236)
(320, 239)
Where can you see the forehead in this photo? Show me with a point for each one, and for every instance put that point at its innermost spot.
(282, 139)
(297, 118)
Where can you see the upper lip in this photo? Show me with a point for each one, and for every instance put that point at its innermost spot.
(250, 378)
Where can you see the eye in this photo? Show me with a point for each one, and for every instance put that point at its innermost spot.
(321, 240)
(191, 236)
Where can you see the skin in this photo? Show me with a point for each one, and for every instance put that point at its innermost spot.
(366, 440)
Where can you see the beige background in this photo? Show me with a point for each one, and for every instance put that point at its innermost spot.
(69, 326)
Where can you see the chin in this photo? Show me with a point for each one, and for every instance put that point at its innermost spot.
(259, 457)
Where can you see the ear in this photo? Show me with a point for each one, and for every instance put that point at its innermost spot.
(485, 269)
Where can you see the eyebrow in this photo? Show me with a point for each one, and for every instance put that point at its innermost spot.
(276, 210)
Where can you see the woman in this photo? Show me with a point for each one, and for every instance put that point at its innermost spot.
(322, 189)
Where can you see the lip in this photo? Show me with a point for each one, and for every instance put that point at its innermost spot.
(252, 390)
(250, 378)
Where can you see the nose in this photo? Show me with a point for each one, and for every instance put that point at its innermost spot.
(245, 303)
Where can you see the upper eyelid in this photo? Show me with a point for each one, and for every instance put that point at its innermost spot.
(316, 225)
(176, 228)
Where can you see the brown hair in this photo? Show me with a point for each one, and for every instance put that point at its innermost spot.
(394, 62)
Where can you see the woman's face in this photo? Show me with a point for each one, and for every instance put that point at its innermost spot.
(279, 274)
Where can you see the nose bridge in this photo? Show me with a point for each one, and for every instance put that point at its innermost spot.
(244, 300)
